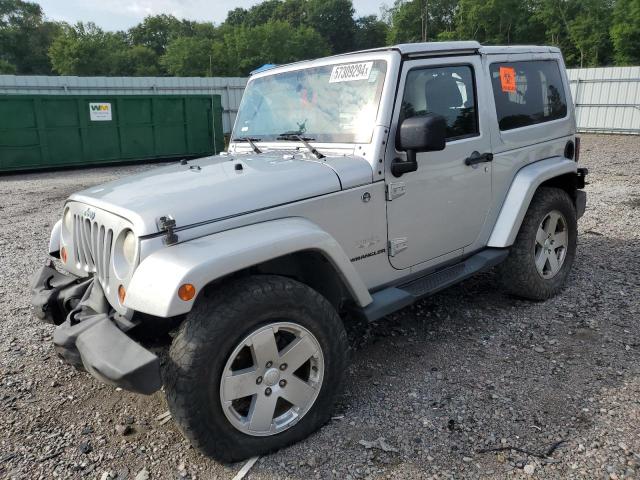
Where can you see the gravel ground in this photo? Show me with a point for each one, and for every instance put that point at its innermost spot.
(467, 384)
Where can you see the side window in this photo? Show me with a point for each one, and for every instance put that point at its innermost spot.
(446, 91)
(527, 93)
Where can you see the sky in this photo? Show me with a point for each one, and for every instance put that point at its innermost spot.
(123, 14)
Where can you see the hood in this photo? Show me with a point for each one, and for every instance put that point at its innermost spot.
(215, 188)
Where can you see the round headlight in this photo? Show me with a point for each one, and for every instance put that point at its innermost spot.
(129, 247)
(68, 220)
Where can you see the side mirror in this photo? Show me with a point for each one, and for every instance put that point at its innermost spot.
(426, 133)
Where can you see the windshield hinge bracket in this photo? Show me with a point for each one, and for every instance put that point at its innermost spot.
(395, 190)
(396, 245)
(167, 224)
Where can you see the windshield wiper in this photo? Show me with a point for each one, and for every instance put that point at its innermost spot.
(251, 143)
(301, 139)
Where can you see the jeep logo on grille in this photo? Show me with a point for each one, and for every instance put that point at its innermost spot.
(88, 213)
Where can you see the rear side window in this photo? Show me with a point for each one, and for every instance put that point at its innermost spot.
(527, 93)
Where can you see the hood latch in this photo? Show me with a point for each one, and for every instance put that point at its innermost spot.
(167, 224)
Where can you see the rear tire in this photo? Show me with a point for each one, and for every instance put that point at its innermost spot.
(236, 331)
(542, 255)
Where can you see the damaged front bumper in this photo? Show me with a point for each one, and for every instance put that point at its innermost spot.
(86, 335)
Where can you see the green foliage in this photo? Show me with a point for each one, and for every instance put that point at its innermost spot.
(7, 68)
(625, 32)
(236, 17)
(243, 49)
(589, 32)
(405, 19)
(371, 32)
(498, 21)
(294, 12)
(333, 19)
(187, 57)
(137, 61)
(555, 15)
(155, 32)
(262, 13)
(579, 27)
(421, 20)
(86, 49)
(25, 37)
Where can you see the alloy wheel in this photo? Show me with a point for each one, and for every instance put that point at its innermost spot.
(551, 244)
(272, 379)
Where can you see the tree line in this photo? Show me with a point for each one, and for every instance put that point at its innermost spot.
(589, 32)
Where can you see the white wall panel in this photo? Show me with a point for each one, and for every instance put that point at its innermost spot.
(607, 99)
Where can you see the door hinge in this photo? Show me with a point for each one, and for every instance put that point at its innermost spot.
(395, 190)
(397, 245)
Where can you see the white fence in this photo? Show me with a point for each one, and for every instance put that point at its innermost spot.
(229, 88)
(607, 99)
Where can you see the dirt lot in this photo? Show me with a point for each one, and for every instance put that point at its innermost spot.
(466, 370)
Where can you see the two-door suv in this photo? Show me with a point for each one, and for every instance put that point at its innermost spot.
(353, 186)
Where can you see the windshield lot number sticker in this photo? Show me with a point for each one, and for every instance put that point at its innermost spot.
(351, 72)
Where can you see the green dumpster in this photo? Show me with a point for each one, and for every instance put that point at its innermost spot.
(48, 131)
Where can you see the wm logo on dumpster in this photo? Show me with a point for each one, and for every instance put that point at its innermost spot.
(100, 111)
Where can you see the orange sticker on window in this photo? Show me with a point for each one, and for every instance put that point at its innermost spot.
(508, 79)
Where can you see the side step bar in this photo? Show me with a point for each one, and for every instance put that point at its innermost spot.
(392, 299)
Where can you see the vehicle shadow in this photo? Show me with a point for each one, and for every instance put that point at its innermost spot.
(472, 368)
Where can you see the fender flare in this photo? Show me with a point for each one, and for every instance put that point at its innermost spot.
(154, 286)
(522, 189)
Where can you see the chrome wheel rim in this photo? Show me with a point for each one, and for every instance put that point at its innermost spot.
(272, 379)
(552, 240)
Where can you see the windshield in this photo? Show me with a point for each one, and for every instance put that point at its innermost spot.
(332, 104)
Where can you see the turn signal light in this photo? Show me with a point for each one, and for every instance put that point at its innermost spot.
(122, 293)
(186, 292)
(63, 255)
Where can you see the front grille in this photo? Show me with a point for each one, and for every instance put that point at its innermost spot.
(93, 243)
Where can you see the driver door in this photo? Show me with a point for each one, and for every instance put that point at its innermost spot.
(438, 210)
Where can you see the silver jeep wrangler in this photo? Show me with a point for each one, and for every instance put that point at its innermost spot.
(354, 185)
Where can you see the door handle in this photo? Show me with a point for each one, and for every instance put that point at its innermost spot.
(477, 157)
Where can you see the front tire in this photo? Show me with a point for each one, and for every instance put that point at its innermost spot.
(255, 367)
(542, 255)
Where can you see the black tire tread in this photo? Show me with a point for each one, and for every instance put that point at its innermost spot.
(518, 274)
(218, 315)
